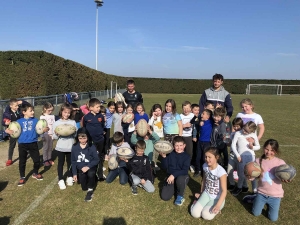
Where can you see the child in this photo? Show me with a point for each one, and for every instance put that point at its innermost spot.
(195, 133)
(110, 110)
(64, 145)
(172, 122)
(140, 168)
(211, 199)
(117, 117)
(177, 164)
(47, 137)
(218, 134)
(140, 113)
(269, 188)
(77, 114)
(121, 170)
(205, 130)
(237, 124)
(12, 113)
(28, 143)
(85, 159)
(210, 106)
(186, 118)
(85, 108)
(94, 123)
(244, 152)
(128, 128)
(156, 123)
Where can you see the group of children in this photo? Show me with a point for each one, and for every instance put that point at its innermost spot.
(199, 137)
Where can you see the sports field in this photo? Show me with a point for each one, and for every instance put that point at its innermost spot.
(41, 202)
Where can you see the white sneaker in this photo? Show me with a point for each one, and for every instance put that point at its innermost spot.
(103, 168)
(104, 176)
(70, 181)
(61, 185)
(192, 169)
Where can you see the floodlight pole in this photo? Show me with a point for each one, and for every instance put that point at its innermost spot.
(111, 88)
(99, 3)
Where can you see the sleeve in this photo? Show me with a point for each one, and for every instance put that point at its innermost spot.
(146, 117)
(83, 121)
(113, 150)
(202, 102)
(256, 145)
(150, 122)
(133, 138)
(154, 137)
(95, 159)
(164, 162)
(185, 168)
(228, 105)
(141, 100)
(178, 117)
(148, 174)
(73, 161)
(259, 119)
(6, 115)
(221, 134)
(194, 131)
(233, 144)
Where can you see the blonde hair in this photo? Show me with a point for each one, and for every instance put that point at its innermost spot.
(247, 101)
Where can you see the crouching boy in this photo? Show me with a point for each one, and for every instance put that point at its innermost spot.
(177, 164)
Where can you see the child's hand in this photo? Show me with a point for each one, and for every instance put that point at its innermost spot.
(149, 129)
(46, 129)
(201, 123)
(163, 154)
(143, 181)
(239, 159)
(7, 122)
(250, 140)
(216, 210)
(154, 115)
(197, 195)
(194, 139)
(250, 145)
(187, 125)
(170, 179)
(250, 178)
(75, 178)
(8, 131)
(286, 181)
(142, 113)
(85, 168)
(19, 102)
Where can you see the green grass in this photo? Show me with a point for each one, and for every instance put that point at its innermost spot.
(114, 204)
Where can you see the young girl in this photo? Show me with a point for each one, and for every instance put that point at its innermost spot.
(243, 148)
(47, 136)
(128, 128)
(237, 124)
(156, 123)
(85, 108)
(269, 186)
(64, 145)
(110, 110)
(172, 123)
(117, 117)
(249, 115)
(213, 188)
(140, 113)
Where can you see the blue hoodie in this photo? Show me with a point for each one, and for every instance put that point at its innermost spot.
(28, 133)
(177, 164)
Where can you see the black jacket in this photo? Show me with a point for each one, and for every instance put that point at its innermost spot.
(140, 166)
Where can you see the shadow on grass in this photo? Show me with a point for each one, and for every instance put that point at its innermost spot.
(113, 221)
(4, 220)
(3, 185)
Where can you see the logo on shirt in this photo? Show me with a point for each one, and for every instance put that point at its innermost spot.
(99, 119)
(81, 158)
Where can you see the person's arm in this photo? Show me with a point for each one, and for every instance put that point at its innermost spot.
(73, 161)
(256, 145)
(203, 184)
(154, 137)
(185, 167)
(95, 159)
(223, 183)
(179, 122)
(141, 100)
(228, 106)
(261, 131)
(133, 138)
(202, 102)
(233, 144)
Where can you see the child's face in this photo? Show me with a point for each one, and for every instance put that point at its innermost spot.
(169, 107)
(14, 106)
(269, 152)
(112, 109)
(247, 108)
(139, 109)
(246, 130)
(186, 109)
(217, 83)
(48, 111)
(179, 147)
(205, 116)
(65, 114)
(139, 151)
(28, 113)
(129, 110)
(236, 127)
(210, 159)
(82, 139)
(217, 119)
(120, 109)
(210, 107)
(158, 112)
(95, 109)
(196, 111)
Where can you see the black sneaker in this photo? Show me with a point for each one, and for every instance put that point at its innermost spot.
(134, 190)
(89, 196)
(236, 191)
(249, 198)
(245, 190)
(197, 174)
(231, 187)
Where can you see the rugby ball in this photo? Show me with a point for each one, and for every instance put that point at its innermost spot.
(142, 127)
(112, 162)
(163, 147)
(65, 129)
(128, 117)
(40, 126)
(285, 172)
(252, 169)
(16, 128)
(125, 153)
(120, 98)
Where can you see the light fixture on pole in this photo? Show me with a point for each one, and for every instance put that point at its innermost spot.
(99, 3)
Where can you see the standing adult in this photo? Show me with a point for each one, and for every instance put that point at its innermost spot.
(131, 96)
(218, 95)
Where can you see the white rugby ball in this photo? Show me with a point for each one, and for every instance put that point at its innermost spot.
(163, 147)
(142, 127)
(16, 128)
(120, 98)
(112, 162)
(40, 126)
(65, 129)
(125, 153)
(128, 117)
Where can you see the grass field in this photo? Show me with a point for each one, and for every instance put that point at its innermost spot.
(41, 202)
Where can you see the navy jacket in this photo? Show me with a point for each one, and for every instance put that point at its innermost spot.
(140, 166)
(95, 126)
(12, 116)
(177, 164)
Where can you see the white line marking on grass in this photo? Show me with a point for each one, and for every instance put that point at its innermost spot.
(35, 203)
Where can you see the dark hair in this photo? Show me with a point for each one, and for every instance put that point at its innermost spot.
(63, 107)
(185, 103)
(154, 107)
(129, 106)
(80, 132)
(118, 137)
(13, 100)
(220, 112)
(141, 144)
(209, 112)
(25, 107)
(195, 106)
(238, 122)
(93, 102)
(275, 147)
(102, 109)
(177, 139)
(140, 104)
(130, 82)
(214, 151)
(209, 103)
(218, 76)
(173, 105)
(120, 104)
(111, 103)
(47, 105)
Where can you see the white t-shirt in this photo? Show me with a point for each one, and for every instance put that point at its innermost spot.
(157, 126)
(50, 121)
(254, 117)
(212, 180)
(131, 127)
(187, 132)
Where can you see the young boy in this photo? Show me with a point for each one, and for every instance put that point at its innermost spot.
(195, 133)
(28, 143)
(177, 164)
(85, 159)
(94, 123)
(140, 168)
(12, 113)
(121, 170)
(218, 134)
(210, 106)
(205, 128)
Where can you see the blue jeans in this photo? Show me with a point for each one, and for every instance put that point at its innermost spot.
(121, 172)
(261, 200)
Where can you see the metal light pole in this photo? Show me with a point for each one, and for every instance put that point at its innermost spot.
(99, 3)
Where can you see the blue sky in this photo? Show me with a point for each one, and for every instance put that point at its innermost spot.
(162, 38)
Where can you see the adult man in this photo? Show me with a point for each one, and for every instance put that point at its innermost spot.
(218, 95)
(131, 96)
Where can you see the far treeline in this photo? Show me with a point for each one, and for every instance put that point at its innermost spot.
(39, 73)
